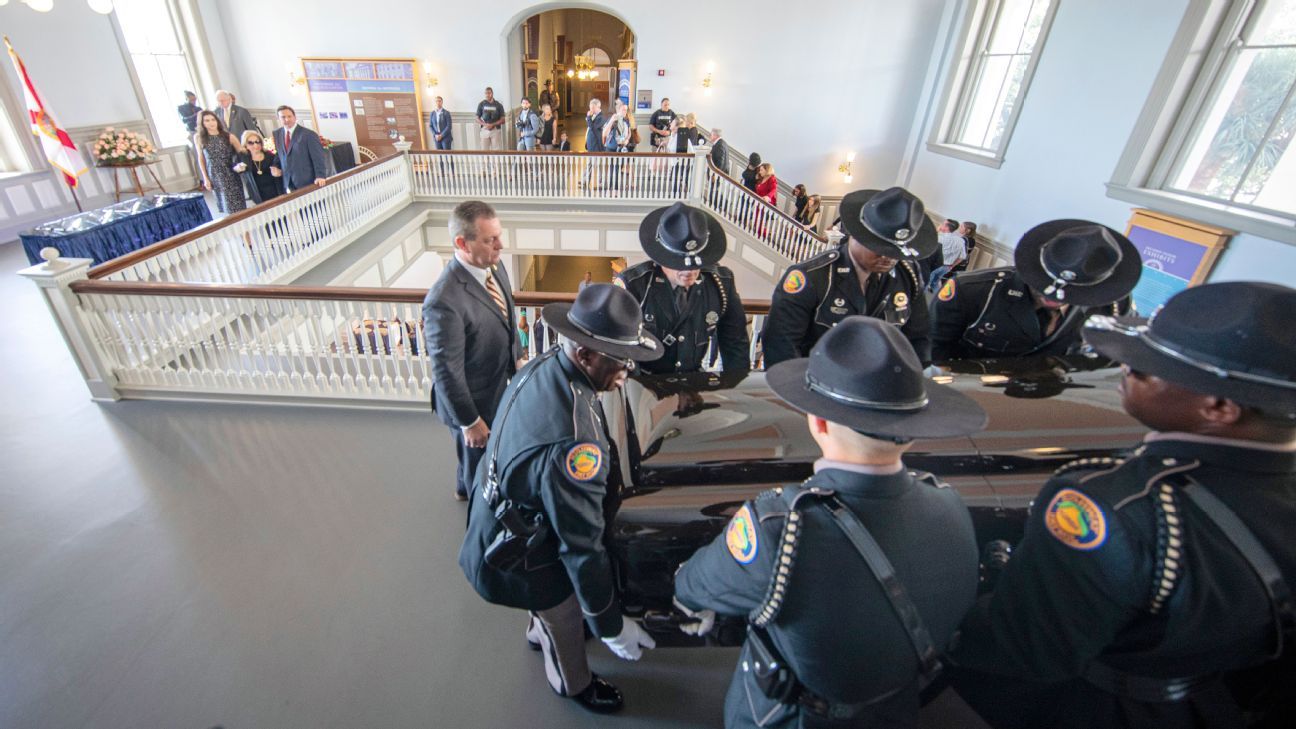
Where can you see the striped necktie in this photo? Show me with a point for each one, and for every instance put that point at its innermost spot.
(493, 289)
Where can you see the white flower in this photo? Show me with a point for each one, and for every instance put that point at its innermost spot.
(130, 155)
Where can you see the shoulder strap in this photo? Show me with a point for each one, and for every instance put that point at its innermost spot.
(871, 551)
(1259, 559)
(490, 491)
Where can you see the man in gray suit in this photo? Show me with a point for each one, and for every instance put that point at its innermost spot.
(471, 333)
(236, 119)
(301, 156)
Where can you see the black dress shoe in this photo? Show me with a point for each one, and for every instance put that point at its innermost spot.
(460, 496)
(600, 697)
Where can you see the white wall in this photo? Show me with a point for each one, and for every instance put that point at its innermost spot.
(801, 85)
(73, 57)
(1095, 73)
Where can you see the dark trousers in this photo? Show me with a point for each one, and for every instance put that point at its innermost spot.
(443, 143)
(468, 460)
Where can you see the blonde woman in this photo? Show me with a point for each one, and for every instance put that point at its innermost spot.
(809, 215)
(261, 174)
(767, 183)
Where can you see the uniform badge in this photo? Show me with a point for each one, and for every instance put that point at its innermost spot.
(901, 300)
(1016, 293)
(712, 317)
(583, 461)
(740, 537)
(837, 309)
(794, 282)
(947, 291)
(839, 302)
(1075, 520)
(616, 281)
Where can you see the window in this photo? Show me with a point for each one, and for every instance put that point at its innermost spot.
(13, 156)
(1214, 140)
(986, 89)
(161, 64)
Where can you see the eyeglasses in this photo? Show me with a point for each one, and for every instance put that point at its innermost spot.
(625, 364)
(253, 141)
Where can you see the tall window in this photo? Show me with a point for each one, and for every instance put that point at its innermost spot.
(1238, 147)
(1000, 47)
(161, 64)
(13, 158)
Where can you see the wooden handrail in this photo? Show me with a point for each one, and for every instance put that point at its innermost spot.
(317, 293)
(522, 153)
(130, 259)
(763, 201)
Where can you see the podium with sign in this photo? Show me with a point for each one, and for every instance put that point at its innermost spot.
(1177, 253)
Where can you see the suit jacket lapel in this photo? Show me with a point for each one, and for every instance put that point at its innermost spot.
(475, 289)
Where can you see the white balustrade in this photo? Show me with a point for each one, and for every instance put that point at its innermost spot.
(756, 217)
(553, 175)
(272, 244)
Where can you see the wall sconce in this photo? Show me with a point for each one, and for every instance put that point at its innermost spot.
(847, 168)
(431, 81)
(706, 80)
(296, 81)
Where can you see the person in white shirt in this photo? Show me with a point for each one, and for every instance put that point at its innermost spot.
(953, 252)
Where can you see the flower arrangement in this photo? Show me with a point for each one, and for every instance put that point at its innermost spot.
(122, 147)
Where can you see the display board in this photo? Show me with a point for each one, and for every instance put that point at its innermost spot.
(370, 102)
(1177, 253)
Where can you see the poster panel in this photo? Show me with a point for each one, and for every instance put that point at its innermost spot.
(1176, 254)
(368, 102)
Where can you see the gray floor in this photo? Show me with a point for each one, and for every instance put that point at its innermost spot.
(184, 566)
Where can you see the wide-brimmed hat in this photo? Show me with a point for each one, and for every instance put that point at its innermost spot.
(682, 237)
(891, 222)
(606, 319)
(1232, 340)
(864, 374)
(1078, 262)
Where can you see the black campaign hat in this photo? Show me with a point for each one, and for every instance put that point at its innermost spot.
(890, 222)
(864, 374)
(1078, 262)
(682, 237)
(604, 318)
(1232, 340)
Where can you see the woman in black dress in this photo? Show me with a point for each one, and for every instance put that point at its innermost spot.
(216, 148)
(261, 175)
(547, 122)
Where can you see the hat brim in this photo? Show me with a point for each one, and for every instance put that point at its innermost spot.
(924, 242)
(555, 317)
(717, 243)
(948, 413)
(1115, 287)
(1122, 343)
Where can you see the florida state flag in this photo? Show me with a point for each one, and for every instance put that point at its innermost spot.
(58, 146)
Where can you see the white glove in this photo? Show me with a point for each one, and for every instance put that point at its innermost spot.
(704, 620)
(629, 644)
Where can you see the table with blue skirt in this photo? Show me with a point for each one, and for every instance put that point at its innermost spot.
(106, 233)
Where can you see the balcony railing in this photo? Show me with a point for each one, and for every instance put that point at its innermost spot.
(658, 178)
(752, 214)
(272, 241)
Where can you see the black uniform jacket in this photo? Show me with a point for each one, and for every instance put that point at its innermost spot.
(816, 294)
(713, 312)
(554, 458)
(1104, 538)
(835, 627)
(991, 313)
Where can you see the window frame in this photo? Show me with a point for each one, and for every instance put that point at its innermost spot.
(1182, 95)
(974, 34)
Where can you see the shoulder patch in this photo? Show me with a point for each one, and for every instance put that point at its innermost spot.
(583, 461)
(947, 291)
(794, 282)
(740, 536)
(1075, 520)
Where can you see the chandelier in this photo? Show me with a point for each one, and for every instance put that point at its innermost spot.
(584, 68)
(44, 6)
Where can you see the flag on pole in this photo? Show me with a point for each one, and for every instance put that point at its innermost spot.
(58, 146)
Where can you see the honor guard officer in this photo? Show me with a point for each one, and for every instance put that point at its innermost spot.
(1066, 271)
(688, 300)
(1156, 592)
(874, 273)
(548, 486)
(849, 598)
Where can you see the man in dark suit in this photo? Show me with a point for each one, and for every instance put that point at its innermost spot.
(719, 151)
(235, 118)
(189, 111)
(301, 156)
(471, 332)
(442, 127)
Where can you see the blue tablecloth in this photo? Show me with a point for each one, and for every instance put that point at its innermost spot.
(124, 234)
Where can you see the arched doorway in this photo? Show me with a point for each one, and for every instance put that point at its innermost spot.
(583, 52)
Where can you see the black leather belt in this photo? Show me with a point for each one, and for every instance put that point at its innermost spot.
(1143, 688)
(822, 707)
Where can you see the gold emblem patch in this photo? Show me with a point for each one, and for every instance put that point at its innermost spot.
(740, 536)
(583, 461)
(1075, 520)
(901, 300)
(794, 282)
(947, 291)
